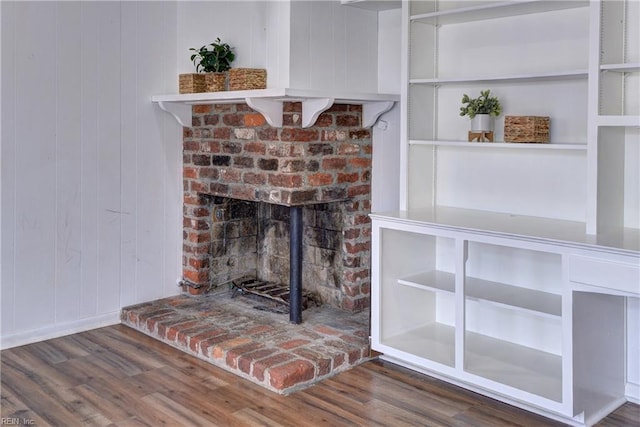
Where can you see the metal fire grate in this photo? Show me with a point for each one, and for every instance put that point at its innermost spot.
(275, 292)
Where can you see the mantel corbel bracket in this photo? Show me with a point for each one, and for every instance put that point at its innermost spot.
(312, 108)
(371, 111)
(181, 112)
(271, 109)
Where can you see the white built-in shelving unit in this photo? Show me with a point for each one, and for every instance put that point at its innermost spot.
(509, 266)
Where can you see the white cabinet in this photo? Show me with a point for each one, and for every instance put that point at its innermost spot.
(509, 266)
(535, 322)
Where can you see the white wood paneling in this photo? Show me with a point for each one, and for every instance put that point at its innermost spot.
(91, 186)
(152, 209)
(69, 156)
(108, 150)
(242, 24)
(35, 164)
(7, 167)
(89, 160)
(304, 45)
(385, 180)
(361, 57)
(278, 34)
(333, 47)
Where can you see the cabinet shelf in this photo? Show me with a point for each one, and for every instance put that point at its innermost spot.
(508, 145)
(433, 280)
(434, 342)
(516, 78)
(559, 232)
(517, 366)
(621, 68)
(377, 5)
(514, 297)
(495, 10)
(619, 121)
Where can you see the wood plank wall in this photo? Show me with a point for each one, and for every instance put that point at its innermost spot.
(91, 186)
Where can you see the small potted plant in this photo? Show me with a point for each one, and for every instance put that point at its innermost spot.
(481, 110)
(215, 60)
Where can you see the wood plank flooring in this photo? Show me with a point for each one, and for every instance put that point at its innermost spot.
(116, 376)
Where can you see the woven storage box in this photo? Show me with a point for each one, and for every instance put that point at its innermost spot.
(215, 82)
(247, 78)
(192, 83)
(526, 129)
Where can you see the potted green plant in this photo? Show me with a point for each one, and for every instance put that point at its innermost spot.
(481, 110)
(215, 60)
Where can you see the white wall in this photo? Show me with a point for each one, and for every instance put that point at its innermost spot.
(333, 47)
(385, 180)
(241, 24)
(302, 44)
(91, 186)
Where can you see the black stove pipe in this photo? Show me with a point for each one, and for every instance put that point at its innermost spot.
(295, 265)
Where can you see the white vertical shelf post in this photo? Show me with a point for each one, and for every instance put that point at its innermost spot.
(567, 337)
(592, 119)
(461, 254)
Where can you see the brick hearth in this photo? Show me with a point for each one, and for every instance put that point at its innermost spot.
(260, 346)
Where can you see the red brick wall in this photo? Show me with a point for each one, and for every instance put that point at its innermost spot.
(231, 152)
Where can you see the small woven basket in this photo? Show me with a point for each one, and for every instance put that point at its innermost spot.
(533, 129)
(215, 82)
(247, 78)
(192, 83)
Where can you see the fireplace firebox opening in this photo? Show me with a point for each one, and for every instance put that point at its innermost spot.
(248, 185)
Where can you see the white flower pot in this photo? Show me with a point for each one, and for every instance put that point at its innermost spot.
(482, 123)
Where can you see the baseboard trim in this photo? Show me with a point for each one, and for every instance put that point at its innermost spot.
(632, 392)
(58, 330)
(577, 421)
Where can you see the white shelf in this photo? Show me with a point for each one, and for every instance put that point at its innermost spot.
(495, 10)
(514, 297)
(516, 78)
(519, 227)
(269, 103)
(619, 121)
(434, 342)
(621, 68)
(508, 145)
(523, 368)
(373, 4)
(433, 280)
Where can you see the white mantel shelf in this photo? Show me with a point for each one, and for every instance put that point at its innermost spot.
(269, 103)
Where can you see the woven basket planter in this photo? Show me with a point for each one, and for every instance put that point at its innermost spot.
(215, 82)
(192, 83)
(247, 78)
(526, 129)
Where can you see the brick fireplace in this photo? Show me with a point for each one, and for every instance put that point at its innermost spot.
(241, 176)
(242, 181)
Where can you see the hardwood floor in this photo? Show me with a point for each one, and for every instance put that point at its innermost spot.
(116, 376)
